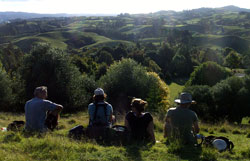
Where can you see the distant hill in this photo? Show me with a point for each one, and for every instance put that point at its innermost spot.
(234, 9)
(8, 16)
(214, 28)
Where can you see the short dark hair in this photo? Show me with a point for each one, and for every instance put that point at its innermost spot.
(138, 104)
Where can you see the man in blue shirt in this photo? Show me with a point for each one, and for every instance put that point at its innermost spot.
(36, 110)
(100, 112)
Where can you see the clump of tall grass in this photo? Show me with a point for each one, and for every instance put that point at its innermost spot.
(236, 132)
(246, 153)
(223, 130)
(12, 137)
(208, 155)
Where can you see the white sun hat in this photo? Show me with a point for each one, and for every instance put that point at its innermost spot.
(99, 91)
(184, 98)
(219, 144)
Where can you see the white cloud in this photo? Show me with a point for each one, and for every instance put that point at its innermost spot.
(112, 6)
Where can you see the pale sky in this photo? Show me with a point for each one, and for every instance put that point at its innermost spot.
(112, 6)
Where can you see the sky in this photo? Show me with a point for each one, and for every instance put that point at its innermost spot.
(112, 6)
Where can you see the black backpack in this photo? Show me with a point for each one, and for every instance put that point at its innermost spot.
(16, 126)
(77, 132)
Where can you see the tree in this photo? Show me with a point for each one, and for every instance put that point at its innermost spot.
(208, 73)
(6, 97)
(105, 57)
(227, 94)
(181, 64)
(53, 68)
(127, 79)
(233, 60)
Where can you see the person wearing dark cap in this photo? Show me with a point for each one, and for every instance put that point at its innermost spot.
(100, 112)
(181, 122)
(140, 123)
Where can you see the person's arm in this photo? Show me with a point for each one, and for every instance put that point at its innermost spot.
(127, 124)
(150, 130)
(111, 114)
(167, 127)
(196, 128)
(57, 110)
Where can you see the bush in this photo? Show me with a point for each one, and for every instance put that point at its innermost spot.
(228, 95)
(6, 96)
(53, 68)
(208, 73)
(127, 79)
(204, 106)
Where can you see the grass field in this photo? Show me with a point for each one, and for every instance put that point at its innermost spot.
(175, 90)
(57, 146)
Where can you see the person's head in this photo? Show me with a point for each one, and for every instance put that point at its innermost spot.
(138, 105)
(99, 95)
(41, 92)
(185, 100)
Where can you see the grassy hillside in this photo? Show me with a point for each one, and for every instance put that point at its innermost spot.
(57, 146)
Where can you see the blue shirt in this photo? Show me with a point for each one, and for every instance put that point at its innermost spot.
(35, 113)
(100, 114)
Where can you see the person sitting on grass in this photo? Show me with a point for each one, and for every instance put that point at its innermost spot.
(36, 110)
(181, 122)
(100, 112)
(140, 124)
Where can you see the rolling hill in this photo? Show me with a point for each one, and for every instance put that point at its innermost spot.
(207, 27)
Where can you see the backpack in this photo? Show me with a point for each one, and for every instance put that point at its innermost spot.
(77, 132)
(219, 142)
(119, 134)
(15, 126)
(95, 121)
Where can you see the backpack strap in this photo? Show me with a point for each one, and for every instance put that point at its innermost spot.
(231, 145)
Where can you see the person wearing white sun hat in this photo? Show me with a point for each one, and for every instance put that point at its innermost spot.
(181, 122)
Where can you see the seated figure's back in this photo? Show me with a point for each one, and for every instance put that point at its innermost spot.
(182, 120)
(35, 113)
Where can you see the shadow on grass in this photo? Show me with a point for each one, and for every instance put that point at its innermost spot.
(186, 152)
(133, 150)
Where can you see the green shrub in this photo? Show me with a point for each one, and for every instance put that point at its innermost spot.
(6, 96)
(230, 98)
(53, 68)
(127, 79)
(208, 73)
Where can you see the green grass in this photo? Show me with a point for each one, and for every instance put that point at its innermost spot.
(57, 146)
(175, 90)
(111, 43)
